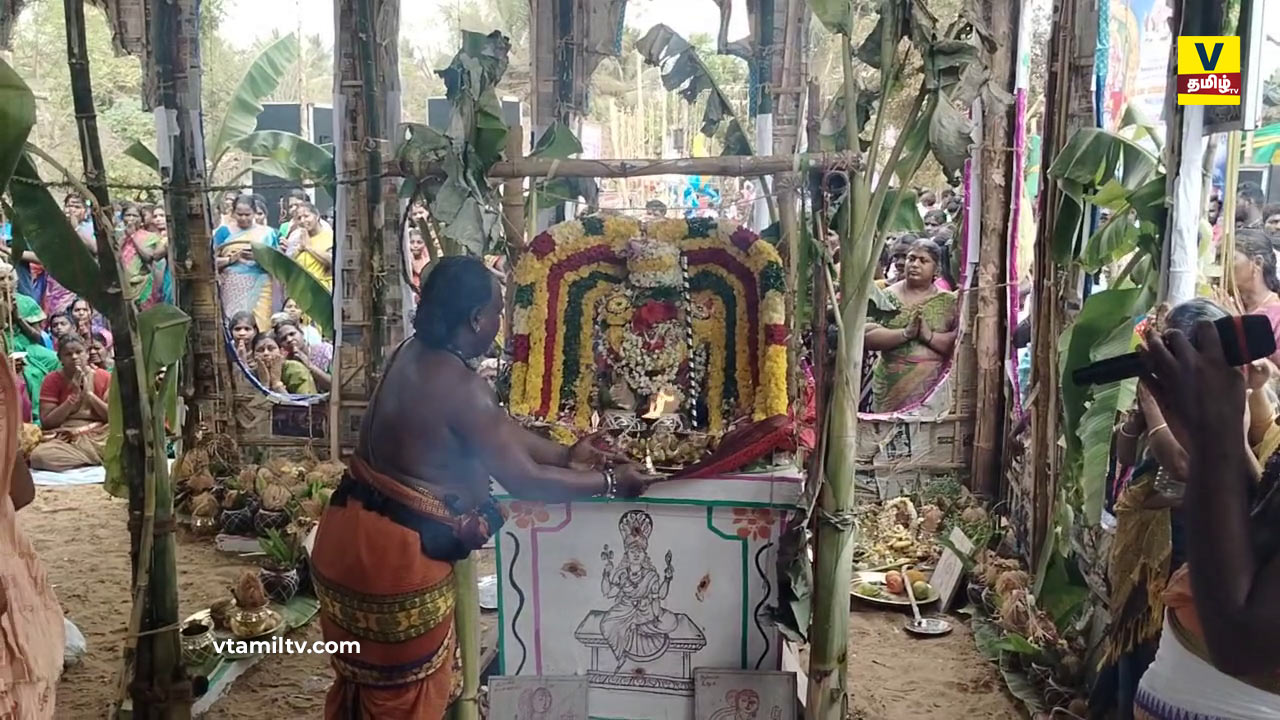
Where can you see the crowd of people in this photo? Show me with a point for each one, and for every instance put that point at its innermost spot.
(60, 346)
(271, 335)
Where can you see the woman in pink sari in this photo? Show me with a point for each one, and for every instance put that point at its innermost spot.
(31, 627)
(1256, 282)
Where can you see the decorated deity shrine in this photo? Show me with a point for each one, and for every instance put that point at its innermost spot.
(671, 337)
(669, 333)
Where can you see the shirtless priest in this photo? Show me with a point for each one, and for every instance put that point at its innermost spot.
(416, 498)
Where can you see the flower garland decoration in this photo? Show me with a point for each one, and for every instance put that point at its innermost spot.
(577, 305)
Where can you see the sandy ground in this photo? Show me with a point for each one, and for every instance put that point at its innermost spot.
(81, 536)
(896, 676)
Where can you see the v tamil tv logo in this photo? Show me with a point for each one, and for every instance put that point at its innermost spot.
(1209, 70)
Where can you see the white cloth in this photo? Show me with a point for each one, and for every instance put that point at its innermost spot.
(1179, 680)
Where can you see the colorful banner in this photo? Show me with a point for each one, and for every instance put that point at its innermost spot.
(1133, 58)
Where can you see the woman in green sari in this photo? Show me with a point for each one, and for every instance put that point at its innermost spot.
(144, 256)
(276, 372)
(916, 338)
(20, 321)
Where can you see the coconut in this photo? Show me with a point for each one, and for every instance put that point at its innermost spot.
(193, 461)
(29, 438)
(246, 477)
(1011, 580)
(931, 518)
(204, 505)
(973, 516)
(248, 591)
(275, 497)
(1015, 614)
(231, 499)
(331, 472)
(310, 508)
(200, 482)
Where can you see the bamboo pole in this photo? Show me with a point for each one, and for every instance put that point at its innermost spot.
(736, 166)
(990, 330)
(513, 230)
(466, 615)
(158, 672)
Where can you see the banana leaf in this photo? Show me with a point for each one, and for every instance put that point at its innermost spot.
(259, 82)
(1101, 319)
(143, 154)
(684, 71)
(950, 135)
(39, 219)
(314, 299)
(17, 117)
(559, 142)
(1092, 156)
(1117, 237)
(290, 157)
(907, 215)
(163, 329)
(471, 82)
(835, 15)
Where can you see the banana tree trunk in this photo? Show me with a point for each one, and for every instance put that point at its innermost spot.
(833, 555)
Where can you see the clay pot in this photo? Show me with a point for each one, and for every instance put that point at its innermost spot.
(270, 520)
(239, 521)
(281, 585)
(197, 643)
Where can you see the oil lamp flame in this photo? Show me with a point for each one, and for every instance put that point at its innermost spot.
(662, 403)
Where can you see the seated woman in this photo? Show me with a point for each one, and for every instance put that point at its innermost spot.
(100, 351)
(85, 321)
(31, 625)
(293, 310)
(916, 339)
(277, 373)
(73, 411)
(243, 329)
(19, 328)
(316, 358)
(59, 327)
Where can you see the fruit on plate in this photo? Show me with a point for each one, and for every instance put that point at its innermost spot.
(867, 590)
(922, 590)
(894, 582)
(915, 576)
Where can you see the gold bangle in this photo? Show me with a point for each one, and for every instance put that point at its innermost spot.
(1158, 428)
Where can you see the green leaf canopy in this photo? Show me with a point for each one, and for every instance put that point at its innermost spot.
(17, 117)
(259, 81)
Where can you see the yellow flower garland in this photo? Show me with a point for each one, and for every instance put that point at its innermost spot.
(765, 399)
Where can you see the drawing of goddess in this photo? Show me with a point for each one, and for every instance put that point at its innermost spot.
(637, 627)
